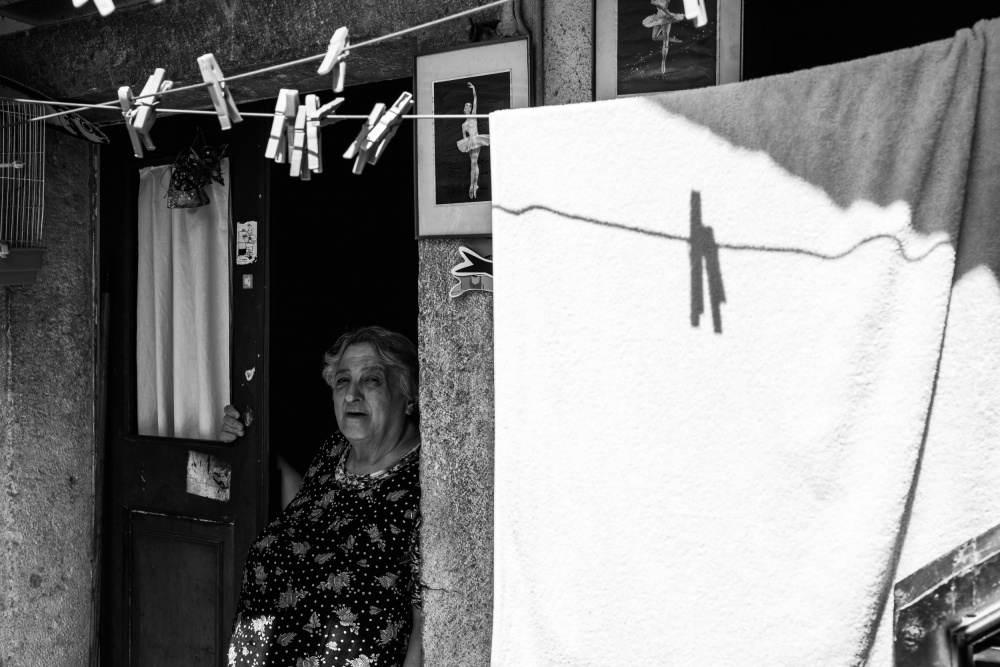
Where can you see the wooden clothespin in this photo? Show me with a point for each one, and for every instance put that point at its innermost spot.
(144, 115)
(282, 127)
(357, 149)
(383, 132)
(317, 117)
(222, 98)
(336, 54)
(105, 7)
(695, 10)
(299, 166)
(125, 99)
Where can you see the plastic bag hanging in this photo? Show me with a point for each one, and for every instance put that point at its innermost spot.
(193, 169)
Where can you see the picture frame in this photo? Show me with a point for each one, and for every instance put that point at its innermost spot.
(453, 189)
(640, 49)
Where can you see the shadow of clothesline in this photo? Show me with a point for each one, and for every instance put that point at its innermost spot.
(729, 246)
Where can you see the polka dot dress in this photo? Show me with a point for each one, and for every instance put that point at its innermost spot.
(331, 581)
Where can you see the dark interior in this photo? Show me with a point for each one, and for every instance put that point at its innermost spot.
(343, 255)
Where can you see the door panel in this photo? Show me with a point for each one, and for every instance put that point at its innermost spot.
(180, 583)
(180, 514)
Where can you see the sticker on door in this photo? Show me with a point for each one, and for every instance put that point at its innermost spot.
(246, 242)
(208, 476)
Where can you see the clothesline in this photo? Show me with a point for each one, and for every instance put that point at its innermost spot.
(248, 114)
(272, 68)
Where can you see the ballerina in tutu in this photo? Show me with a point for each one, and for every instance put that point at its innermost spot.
(472, 141)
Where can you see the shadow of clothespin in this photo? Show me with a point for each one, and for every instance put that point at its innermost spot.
(704, 257)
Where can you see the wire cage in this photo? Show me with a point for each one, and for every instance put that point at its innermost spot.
(22, 193)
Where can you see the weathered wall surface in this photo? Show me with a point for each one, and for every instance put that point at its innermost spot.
(569, 51)
(47, 430)
(456, 398)
(456, 403)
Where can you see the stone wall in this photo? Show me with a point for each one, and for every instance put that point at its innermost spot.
(456, 402)
(47, 343)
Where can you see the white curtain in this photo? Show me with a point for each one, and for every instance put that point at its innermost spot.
(182, 311)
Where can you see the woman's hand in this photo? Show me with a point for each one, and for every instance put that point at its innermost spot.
(469, 84)
(232, 428)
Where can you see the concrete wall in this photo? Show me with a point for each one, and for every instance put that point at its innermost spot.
(456, 402)
(47, 342)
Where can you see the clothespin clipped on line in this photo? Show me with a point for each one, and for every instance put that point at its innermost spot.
(307, 144)
(282, 127)
(336, 54)
(356, 150)
(695, 10)
(105, 7)
(222, 98)
(139, 118)
(299, 148)
(383, 132)
(316, 118)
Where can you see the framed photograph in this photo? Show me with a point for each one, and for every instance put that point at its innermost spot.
(454, 179)
(643, 47)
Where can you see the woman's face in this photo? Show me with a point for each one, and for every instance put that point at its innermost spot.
(468, 107)
(367, 399)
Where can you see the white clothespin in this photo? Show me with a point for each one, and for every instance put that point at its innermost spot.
(105, 7)
(298, 159)
(282, 127)
(317, 117)
(144, 116)
(380, 135)
(222, 98)
(695, 10)
(335, 55)
(357, 149)
(129, 111)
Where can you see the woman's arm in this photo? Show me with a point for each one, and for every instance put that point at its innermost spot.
(414, 651)
(473, 97)
(291, 480)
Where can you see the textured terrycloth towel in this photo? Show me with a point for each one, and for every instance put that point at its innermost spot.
(719, 320)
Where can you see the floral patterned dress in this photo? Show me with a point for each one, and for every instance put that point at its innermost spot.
(331, 581)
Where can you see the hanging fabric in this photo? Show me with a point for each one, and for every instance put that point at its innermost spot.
(182, 310)
(746, 360)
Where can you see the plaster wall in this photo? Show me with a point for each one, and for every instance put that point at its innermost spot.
(456, 398)
(47, 342)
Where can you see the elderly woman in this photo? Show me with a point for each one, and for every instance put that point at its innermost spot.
(334, 580)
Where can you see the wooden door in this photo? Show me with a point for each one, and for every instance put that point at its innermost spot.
(173, 545)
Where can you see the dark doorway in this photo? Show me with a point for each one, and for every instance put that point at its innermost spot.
(342, 255)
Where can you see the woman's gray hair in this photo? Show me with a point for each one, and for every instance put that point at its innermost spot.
(395, 350)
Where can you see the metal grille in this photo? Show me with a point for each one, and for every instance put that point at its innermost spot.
(22, 176)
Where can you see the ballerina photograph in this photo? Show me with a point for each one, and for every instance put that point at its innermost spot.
(472, 141)
(462, 147)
